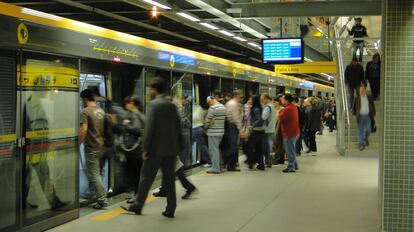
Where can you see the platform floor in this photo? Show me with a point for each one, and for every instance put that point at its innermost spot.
(329, 193)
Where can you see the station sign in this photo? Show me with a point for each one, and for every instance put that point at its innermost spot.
(308, 67)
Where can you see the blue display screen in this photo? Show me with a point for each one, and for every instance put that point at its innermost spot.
(282, 50)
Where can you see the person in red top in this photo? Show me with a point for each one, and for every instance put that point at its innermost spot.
(289, 121)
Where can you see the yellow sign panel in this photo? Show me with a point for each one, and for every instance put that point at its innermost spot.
(7, 138)
(22, 34)
(48, 76)
(308, 67)
(62, 132)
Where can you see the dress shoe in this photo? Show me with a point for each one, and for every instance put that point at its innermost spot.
(233, 170)
(287, 170)
(367, 142)
(130, 201)
(362, 147)
(269, 166)
(167, 214)
(212, 172)
(188, 194)
(260, 167)
(160, 194)
(132, 208)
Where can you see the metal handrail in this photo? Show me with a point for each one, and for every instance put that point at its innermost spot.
(343, 89)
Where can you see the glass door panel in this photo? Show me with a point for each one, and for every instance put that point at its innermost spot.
(182, 93)
(151, 74)
(9, 190)
(49, 88)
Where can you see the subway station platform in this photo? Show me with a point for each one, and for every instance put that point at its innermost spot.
(329, 193)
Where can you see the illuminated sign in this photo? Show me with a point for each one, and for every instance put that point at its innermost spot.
(307, 85)
(176, 59)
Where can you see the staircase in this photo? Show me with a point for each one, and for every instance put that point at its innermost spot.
(347, 136)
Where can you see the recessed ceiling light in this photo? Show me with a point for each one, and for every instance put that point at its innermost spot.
(209, 26)
(189, 17)
(252, 44)
(160, 5)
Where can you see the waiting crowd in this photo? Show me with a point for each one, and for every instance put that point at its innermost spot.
(269, 131)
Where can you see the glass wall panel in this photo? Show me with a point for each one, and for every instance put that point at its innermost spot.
(182, 93)
(50, 101)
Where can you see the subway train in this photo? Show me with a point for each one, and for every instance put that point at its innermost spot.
(45, 61)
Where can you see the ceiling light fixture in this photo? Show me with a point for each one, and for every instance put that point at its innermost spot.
(212, 27)
(189, 17)
(226, 33)
(253, 44)
(240, 39)
(89, 26)
(41, 14)
(160, 5)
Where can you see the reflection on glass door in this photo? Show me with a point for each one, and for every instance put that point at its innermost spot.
(95, 82)
(9, 189)
(150, 75)
(182, 93)
(49, 91)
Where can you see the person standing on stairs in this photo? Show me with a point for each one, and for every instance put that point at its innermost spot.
(364, 111)
(359, 31)
(373, 75)
(354, 76)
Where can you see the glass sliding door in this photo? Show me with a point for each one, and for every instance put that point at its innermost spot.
(49, 88)
(182, 94)
(150, 75)
(9, 190)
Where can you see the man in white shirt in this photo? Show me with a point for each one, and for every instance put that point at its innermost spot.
(234, 117)
(364, 111)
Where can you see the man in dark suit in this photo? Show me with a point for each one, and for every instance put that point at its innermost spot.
(162, 144)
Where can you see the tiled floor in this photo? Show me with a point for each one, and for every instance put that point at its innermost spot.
(329, 193)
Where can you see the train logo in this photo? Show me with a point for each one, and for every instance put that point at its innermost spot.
(22, 34)
(172, 61)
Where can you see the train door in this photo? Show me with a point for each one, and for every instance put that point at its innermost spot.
(97, 83)
(310, 93)
(182, 93)
(9, 172)
(49, 114)
(151, 74)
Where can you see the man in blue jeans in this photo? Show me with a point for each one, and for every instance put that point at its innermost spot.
(289, 121)
(269, 118)
(364, 111)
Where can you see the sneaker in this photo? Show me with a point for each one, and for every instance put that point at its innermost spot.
(362, 147)
(287, 170)
(207, 165)
(99, 205)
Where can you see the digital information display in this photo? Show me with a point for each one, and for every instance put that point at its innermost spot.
(282, 50)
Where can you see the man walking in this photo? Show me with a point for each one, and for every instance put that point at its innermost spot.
(234, 125)
(269, 118)
(92, 120)
(162, 144)
(214, 124)
(289, 119)
(354, 76)
(364, 111)
(359, 31)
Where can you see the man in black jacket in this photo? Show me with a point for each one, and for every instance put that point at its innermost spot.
(354, 76)
(162, 144)
(359, 31)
